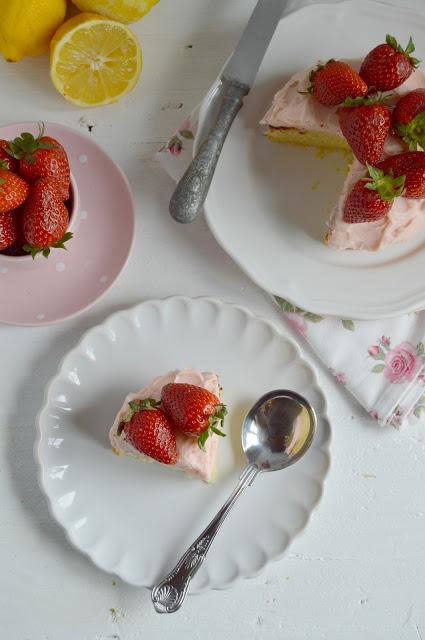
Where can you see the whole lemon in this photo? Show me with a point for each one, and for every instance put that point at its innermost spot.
(121, 10)
(27, 26)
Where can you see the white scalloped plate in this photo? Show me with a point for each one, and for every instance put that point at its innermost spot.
(135, 519)
(269, 202)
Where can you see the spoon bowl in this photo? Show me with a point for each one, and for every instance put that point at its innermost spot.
(278, 430)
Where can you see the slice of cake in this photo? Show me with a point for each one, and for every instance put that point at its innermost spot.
(296, 117)
(168, 443)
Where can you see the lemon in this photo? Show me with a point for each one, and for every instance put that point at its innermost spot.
(94, 60)
(27, 26)
(121, 10)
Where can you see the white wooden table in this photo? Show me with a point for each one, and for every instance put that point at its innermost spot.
(358, 570)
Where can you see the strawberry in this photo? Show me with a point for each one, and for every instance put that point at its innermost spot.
(45, 219)
(195, 411)
(335, 81)
(40, 157)
(388, 65)
(149, 430)
(13, 190)
(410, 164)
(8, 229)
(365, 124)
(408, 119)
(371, 198)
(6, 161)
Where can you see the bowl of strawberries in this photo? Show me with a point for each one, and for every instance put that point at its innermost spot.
(64, 198)
(38, 197)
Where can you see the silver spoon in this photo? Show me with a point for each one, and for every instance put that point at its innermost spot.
(277, 432)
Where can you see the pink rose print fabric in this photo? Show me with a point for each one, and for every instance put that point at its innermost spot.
(401, 363)
(299, 323)
(385, 374)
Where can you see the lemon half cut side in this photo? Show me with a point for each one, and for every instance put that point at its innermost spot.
(94, 60)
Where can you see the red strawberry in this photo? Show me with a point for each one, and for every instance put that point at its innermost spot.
(46, 218)
(335, 81)
(194, 410)
(8, 229)
(371, 198)
(6, 161)
(54, 143)
(365, 123)
(410, 164)
(13, 191)
(388, 65)
(408, 119)
(149, 430)
(42, 157)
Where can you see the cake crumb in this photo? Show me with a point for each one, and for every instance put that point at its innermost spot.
(322, 152)
(314, 185)
(115, 614)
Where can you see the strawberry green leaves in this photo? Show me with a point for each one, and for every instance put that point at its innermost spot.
(407, 51)
(23, 146)
(215, 421)
(60, 244)
(413, 133)
(135, 406)
(386, 185)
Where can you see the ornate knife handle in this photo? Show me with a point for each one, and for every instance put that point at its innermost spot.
(169, 594)
(191, 191)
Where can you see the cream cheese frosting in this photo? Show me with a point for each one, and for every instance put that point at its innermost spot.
(292, 109)
(191, 459)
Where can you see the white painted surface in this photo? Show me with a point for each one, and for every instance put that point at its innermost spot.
(358, 570)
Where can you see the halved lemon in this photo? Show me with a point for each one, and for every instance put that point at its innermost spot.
(121, 10)
(94, 60)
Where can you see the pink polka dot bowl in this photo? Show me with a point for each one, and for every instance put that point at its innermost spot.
(102, 219)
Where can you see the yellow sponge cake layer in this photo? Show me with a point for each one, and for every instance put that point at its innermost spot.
(307, 138)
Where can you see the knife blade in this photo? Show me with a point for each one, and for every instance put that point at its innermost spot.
(249, 53)
(237, 79)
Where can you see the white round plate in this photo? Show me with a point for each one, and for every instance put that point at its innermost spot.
(135, 519)
(268, 202)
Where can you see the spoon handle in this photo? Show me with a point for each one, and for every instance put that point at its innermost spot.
(168, 595)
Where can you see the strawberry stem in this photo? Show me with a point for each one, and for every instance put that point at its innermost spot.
(386, 185)
(413, 133)
(311, 75)
(366, 100)
(45, 251)
(214, 421)
(23, 146)
(407, 51)
(135, 406)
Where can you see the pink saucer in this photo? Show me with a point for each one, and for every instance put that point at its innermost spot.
(46, 291)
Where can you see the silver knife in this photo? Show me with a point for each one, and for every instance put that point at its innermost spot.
(236, 80)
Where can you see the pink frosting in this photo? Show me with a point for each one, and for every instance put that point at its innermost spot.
(407, 216)
(192, 460)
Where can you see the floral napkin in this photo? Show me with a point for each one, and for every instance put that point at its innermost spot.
(382, 363)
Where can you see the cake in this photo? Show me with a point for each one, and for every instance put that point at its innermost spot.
(295, 117)
(192, 460)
